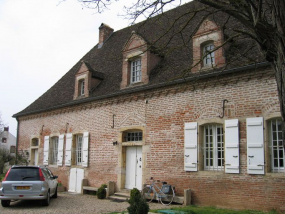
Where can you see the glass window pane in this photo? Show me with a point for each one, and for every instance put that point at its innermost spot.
(275, 162)
(279, 135)
(281, 162)
(274, 136)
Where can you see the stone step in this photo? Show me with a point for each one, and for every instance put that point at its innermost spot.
(122, 194)
(118, 198)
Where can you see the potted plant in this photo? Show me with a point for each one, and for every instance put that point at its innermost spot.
(60, 187)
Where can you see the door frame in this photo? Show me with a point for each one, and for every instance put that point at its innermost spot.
(121, 148)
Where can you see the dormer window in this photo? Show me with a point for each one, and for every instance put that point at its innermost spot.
(139, 58)
(209, 58)
(208, 37)
(86, 81)
(136, 72)
(82, 87)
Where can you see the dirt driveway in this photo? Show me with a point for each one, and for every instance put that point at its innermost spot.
(71, 203)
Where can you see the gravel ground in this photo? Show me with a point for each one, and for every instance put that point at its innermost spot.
(73, 203)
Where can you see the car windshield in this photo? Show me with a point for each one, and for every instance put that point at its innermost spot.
(23, 174)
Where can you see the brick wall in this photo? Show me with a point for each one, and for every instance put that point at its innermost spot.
(250, 94)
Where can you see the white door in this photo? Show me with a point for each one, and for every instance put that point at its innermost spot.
(75, 180)
(36, 157)
(133, 167)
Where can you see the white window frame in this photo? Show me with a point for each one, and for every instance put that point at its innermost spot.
(136, 72)
(209, 58)
(213, 149)
(82, 87)
(78, 149)
(276, 146)
(53, 150)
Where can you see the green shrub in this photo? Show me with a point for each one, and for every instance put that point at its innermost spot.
(137, 204)
(2, 177)
(101, 192)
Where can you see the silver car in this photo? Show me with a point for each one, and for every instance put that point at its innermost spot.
(28, 183)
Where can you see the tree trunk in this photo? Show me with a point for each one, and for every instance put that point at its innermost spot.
(278, 64)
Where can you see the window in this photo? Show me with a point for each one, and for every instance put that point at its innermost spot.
(134, 136)
(209, 58)
(276, 146)
(213, 147)
(54, 150)
(81, 87)
(12, 149)
(136, 71)
(4, 140)
(78, 150)
(35, 142)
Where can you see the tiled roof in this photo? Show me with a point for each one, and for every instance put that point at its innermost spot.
(175, 47)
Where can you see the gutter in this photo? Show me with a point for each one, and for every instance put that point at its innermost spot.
(199, 76)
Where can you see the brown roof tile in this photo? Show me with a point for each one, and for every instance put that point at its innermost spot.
(175, 47)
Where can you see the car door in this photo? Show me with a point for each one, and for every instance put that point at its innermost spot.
(52, 182)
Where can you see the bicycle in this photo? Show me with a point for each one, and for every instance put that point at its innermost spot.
(164, 193)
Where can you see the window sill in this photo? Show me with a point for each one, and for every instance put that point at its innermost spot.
(80, 97)
(276, 174)
(208, 67)
(34, 147)
(53, 166)
(135, 84)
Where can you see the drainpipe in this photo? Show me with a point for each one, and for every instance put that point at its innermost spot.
(17, 139)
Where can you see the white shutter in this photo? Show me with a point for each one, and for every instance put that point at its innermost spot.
(232, 146)
(190, 149)
(255, 145)
(85, 149)
(60, 150)
(46, 150)
(68, 148)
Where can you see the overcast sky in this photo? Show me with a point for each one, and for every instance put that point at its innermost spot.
(40, 40)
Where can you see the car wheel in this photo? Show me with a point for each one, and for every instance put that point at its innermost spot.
(46, 201)
(5, 203)
(55, 193)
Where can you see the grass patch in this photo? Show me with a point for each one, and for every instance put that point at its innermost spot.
(212, 210)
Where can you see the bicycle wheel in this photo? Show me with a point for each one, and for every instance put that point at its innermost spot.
(148, 194)
(167, 198)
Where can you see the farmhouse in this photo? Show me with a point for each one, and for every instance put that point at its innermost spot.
(182, 101)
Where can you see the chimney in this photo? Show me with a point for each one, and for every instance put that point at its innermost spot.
(6, 128)
(104, 32)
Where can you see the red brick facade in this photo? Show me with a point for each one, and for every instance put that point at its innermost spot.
(161, 114)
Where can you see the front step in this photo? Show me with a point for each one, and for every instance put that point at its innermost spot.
(123, 195)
